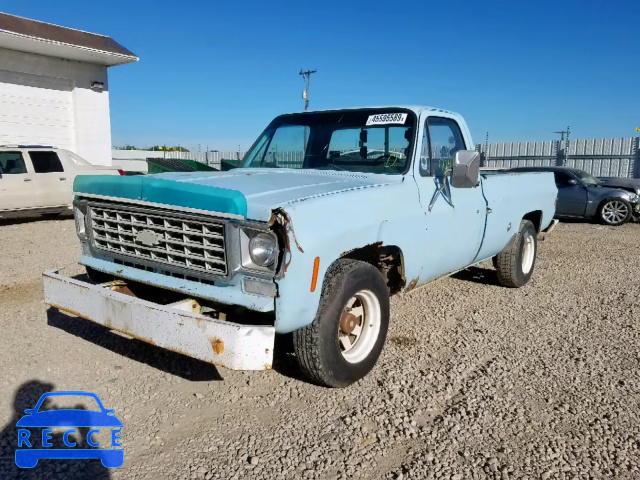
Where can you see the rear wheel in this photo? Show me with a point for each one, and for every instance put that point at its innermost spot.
(515, 263)
(346, 338)
(615, 211)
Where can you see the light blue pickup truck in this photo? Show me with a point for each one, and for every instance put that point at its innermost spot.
(329, 214)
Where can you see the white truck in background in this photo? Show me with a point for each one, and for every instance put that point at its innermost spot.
(37, 180)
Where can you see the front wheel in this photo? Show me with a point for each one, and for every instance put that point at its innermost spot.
(615, 211)
(346, 338)
(515, 263)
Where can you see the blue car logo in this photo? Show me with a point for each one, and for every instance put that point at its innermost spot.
(74, 421)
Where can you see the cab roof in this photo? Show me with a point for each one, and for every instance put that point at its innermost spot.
(417, 109)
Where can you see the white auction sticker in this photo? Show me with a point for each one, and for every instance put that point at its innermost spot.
(387, 118)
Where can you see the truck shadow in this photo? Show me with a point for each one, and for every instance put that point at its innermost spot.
(484, 276)
(284, 359)
(27, 396)
(137, 350)
(35, 218)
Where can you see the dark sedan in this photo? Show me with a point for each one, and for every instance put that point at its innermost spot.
(580, 194)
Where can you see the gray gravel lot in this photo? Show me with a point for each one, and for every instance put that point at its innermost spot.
(476, 380)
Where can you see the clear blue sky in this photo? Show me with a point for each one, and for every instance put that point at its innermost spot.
(215, 72)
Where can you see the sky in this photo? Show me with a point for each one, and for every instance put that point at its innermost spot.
(214, 73)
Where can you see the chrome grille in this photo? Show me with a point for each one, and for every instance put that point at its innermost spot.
(160, 238)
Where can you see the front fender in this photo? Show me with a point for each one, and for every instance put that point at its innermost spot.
(296, 304)
(331, 227)
(599, 195)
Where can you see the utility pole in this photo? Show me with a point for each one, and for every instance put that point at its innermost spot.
(565, 147)
(306, 75)
(486, 149)
(563, 133)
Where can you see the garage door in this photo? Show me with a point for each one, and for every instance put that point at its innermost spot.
(36, 110)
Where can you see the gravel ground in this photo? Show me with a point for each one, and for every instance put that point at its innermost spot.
(476, 380)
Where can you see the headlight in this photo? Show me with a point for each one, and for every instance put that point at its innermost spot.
(263, 249)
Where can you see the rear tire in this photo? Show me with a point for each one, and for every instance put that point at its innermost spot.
(344, 341)
(615, 211)
(516, 262)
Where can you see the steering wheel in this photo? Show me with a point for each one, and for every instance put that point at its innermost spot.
(389, 159)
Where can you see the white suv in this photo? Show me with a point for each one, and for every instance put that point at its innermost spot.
(39, 180)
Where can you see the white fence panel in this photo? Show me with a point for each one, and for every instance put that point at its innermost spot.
(604, 157)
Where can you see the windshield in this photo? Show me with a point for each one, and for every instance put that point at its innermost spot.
(369, 141)
(587, 178)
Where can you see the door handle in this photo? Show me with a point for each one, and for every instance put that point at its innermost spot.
(28, 179)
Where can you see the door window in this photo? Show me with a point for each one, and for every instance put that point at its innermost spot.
(46, 162)
(444, 140)
(12, 163)
(562, 179)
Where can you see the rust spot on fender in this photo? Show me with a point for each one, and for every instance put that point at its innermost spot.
(412, 284)
(218, 345)
(287, 223)
(283, 219)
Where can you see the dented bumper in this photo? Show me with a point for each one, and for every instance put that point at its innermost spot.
(231, 345)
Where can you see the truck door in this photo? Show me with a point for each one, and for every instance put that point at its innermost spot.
(51, 180)
(16, 182)
(453, 229)
(572, 195)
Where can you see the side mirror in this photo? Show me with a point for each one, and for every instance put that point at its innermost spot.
(572, 182)
(466, 169)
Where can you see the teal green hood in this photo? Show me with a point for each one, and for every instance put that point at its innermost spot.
(168, 192)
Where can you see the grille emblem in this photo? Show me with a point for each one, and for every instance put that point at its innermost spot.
(148, 238)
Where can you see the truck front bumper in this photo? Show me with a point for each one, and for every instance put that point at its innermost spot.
(232, 345)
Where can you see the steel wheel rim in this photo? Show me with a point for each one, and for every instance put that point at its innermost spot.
(614, 211)
(357, 344)
(528, 252)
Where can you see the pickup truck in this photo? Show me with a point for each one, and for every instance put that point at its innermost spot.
(329, 214)
(38, 180)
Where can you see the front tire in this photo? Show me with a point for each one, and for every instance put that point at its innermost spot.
(344, 341)
(615, 211)
(515, 263)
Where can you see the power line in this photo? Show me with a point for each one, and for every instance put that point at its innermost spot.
(306, 75)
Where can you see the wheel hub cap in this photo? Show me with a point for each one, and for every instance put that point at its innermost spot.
(359, 327)
(614, 212)
(348, 322)
(528, 253)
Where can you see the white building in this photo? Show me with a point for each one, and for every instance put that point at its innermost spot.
(54, 88)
